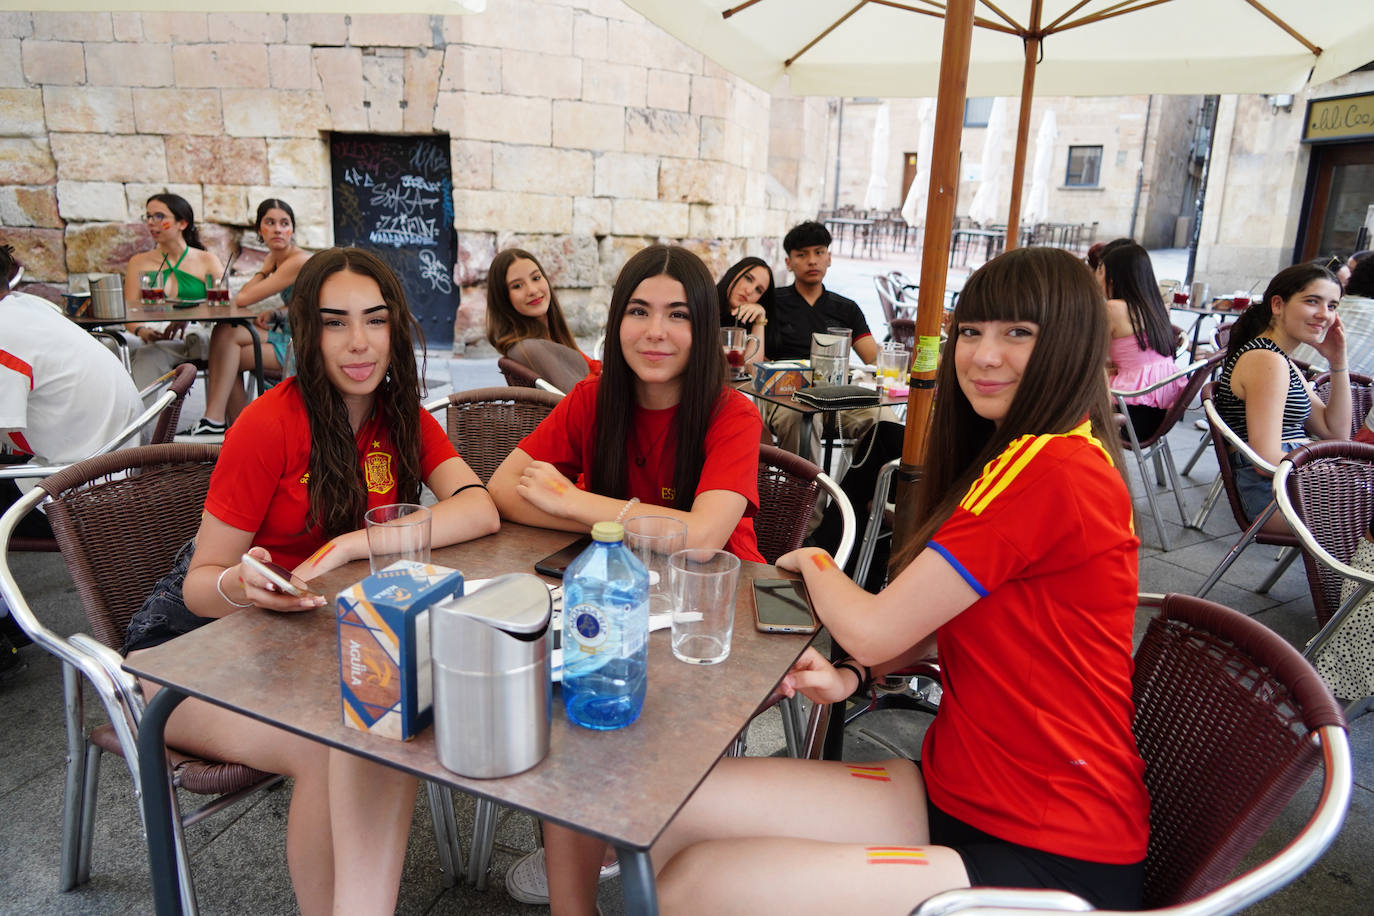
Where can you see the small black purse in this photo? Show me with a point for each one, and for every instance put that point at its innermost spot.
(838, 397)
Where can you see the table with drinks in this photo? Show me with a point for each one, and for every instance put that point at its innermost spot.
(1198, 303)
(647, 744)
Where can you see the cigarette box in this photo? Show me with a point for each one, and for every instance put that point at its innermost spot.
(781, 377)
(385, 679)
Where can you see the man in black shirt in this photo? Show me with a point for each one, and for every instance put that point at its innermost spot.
(804, 308)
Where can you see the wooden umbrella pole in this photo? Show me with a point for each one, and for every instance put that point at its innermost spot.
(940, 203)
(1018, 167)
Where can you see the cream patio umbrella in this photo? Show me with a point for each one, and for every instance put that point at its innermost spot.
(914, 207)
(876, 194)
(956, 48)
(355, 7)
(983, 208)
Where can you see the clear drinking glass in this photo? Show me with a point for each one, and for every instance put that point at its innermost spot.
(704, 583)
(400, 531)
(653, 539)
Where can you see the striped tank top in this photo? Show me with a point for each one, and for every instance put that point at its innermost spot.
(1297, 407)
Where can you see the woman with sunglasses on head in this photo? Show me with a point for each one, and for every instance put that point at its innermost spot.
(296, 473)
(1024, 562)
(1263, 397)
(231, 346)
(522, 305)
(178, 258)
(746, 296)
(658, 432)
(1142, 348)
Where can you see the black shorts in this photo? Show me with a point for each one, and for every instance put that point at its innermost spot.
(991, 862)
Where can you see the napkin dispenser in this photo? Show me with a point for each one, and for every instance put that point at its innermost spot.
(493, 686)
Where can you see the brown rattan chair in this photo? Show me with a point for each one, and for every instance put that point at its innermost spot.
(120, 519)
(486, 424)
(1223, 440)
(1157, 445)
(518, 375)
(561, 366)
(164, 412)
(1230, 721)
(1361, 396)
(1325, 491)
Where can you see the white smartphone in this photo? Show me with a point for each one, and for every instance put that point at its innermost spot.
(279, 577)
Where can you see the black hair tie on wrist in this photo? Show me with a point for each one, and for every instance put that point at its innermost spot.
(467, 487)
(865, 679)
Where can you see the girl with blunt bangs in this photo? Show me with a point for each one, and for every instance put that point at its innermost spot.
(523, 305)
(1027, 558)
(657, 433)
(1263, 397)
(296, 473)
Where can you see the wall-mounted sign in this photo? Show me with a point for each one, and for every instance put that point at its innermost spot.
(1346, 117)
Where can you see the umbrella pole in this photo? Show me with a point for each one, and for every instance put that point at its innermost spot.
(1018, 168)
(940, 204)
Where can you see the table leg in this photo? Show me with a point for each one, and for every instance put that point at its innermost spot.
(158, 807)
(257, 356)
(637, 881)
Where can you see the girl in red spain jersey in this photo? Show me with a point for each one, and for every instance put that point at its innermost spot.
(657, 433)
(1023, 575)
(296, 473)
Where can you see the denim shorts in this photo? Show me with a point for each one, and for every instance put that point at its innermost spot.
(164, 615)
(1255, 489)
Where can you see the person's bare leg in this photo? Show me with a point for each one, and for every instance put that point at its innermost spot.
(197, 727)
(573, 864)
(226, 345)
(238, 397)
(371, 807)
(752, 839)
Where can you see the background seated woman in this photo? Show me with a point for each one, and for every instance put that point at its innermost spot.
(290, 487)
(231, 346)
(521, 305)
(657, 433)
(1263, 397)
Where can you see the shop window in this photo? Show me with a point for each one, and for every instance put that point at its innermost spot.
(1085, 167)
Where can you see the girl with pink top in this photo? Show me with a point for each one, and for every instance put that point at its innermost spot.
(1142, 347)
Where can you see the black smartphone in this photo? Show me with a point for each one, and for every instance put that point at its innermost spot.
(555, 564)
(782, 606)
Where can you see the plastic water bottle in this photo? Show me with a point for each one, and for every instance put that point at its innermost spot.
(605, 632)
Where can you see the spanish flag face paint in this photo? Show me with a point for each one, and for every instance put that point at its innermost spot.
(878, 774)
(823, 561)
(895, 855)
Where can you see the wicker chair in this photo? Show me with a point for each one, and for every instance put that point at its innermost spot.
(1361, 396)
(1326, 493)
(561, 366)
(164, 412)
(120, 520)
(1230, 721)
(1157, 445)
(518, 375)
(486, 424)
(1222, 437)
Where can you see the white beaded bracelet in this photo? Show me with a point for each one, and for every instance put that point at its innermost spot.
(219, 587)
(620, 519)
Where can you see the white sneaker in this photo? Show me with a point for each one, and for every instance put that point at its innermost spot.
(528, 882)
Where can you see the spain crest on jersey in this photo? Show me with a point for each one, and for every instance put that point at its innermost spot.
(377, 472)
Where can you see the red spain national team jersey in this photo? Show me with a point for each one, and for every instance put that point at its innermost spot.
(1033, 741)
(261, 480)
(566, 438)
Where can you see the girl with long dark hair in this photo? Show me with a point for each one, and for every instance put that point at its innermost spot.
(1142, 348)
(231, 346)
(1023, 575)
(657, 433)
(178, 258)
(296, 474)
(522, 304)
(1261, 394)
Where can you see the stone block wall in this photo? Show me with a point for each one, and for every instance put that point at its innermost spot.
(577, 129)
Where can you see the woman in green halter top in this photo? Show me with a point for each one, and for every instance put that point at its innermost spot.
(231, 346)
(179, 258)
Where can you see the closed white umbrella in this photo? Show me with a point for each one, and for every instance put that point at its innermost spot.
(914, 207)
(1038, 203)
(876, 195)
(984, 209)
